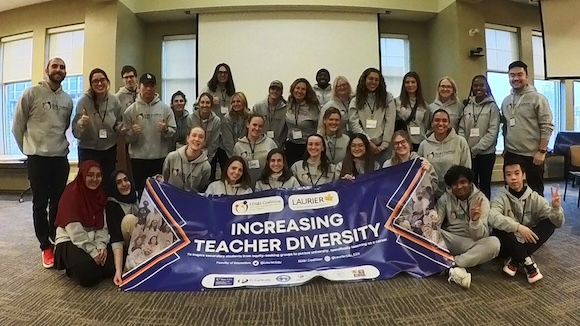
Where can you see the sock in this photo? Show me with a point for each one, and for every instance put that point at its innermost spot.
(528, 261)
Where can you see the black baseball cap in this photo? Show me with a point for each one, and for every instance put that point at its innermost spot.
(148, 78)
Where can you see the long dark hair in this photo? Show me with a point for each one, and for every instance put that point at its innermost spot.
(405, 102)
(213, 82)
(348, 166)
(245, 181)
(324, 163)
(91, 91)
(266, 172)
(362, 92)
(486, 85)
(310, 98)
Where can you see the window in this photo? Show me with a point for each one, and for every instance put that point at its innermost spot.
(395, 61)
(577, 106)
(178, 67)
(68, 43)
(501, 43)
(15, 75)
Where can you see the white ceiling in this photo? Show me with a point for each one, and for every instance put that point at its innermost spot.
(12, 4)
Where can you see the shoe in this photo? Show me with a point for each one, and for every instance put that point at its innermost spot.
(533, 273)
(48, 258)
(510, 267)
(460, 276)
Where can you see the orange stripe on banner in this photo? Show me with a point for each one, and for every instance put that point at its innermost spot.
(167, 254)
(389, 225)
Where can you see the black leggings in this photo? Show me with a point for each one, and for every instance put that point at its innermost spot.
(220, 157)
(511, 247)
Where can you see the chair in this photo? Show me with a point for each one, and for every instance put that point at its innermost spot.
(573, 170)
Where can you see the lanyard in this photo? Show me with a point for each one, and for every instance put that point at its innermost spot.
(476, 117)
(224, 96)
(523, 215)
(186, 177)
(296, 113)
(310, 177)
(512, 106)
(282, 185)
(465, 211)
(226, 189)
(332, 147)
(372, 108)
(104, 113)
(252, 149)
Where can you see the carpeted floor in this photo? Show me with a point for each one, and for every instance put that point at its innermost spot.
(31, 295)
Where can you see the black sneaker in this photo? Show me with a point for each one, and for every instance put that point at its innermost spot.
(533, 273)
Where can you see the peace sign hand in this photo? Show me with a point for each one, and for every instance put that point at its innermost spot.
(556, 200)
(475, 209)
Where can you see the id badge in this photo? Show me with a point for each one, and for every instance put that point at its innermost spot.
(371, 124)
(512, 122)
(296, 134)
(224, 110)
(254, 164)
(415, 131)
(474, 132)
(270, 133)
(103, 133)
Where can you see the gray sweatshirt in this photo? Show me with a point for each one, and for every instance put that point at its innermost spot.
(454, 215)
(480, 125)
(302, 120)
(150, 144)
(417, 128)
(323, 94)
(274, 183)
(233, 128)
(362, 121)
(510, 211)
(219, 187)
(41, 119)
(336, 147)
(342, 106)
(126, 97)
(528, 119)
(433, 178)
(311, 174)
(455, 110)
(274, 120)
(453, 150)
(358, 165)
(89, 240)
(182, 130)
(212, 127)
(108, 117)
(221, 109)
(254, 154)
(188, 175)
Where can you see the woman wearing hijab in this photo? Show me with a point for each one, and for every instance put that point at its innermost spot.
(82, 238)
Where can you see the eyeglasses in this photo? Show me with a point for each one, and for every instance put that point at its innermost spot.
(99, 81)
(341, 85)
(400, 143)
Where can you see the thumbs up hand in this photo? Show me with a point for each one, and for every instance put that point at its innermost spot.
(162, 126)
(84, 120)
(136, 129)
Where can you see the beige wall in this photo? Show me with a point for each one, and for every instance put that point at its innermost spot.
(130, 42)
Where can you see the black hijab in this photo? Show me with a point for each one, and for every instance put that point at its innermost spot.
(131, 198)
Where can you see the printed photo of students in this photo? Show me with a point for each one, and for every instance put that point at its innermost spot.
(273, 109)
(254, 146)
(301, 118)
(373, 112)
(136, 255)
(444, 148)
(322, 88)
(340, 99)
(276, 174)
(234, 124)
(523, 221)
(336, 141)
(188, 167)
(412, 111)
(235, 179)
(178, 102)
(150, 128)
(315, 168)
(96, 123)
(448, 100)
(221, 88)
(127, 93)
(207, 120)
(358, 159)
(480, 127)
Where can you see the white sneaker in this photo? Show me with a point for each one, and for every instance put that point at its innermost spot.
(460, 276)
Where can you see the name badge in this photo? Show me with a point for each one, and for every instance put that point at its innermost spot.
(296, 134)
(103, 133)
(474, 132)
(371, 124)
(270, 133)
(512, 122)
(254, 164)
(224, 110)
(415, 131)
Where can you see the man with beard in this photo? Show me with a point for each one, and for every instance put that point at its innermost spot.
(41, 119)
(323, 89)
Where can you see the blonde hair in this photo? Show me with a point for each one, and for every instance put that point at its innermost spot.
(453, 85)
(245, 111)
(335, 83)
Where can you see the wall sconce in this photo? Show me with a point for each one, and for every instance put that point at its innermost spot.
(476, 53)
(473, 32)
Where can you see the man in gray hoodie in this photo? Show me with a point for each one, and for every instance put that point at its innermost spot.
(127, 94)
(323, 88)
(41, 119)
(527, 125)
(463, 211)
(273, 109)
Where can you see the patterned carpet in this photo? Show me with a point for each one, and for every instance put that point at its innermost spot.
(31, 295)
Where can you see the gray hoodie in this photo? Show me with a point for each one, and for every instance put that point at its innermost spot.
(384, 117)
(212, 127)
(254, 154)
(107, 117)
(233, 128)
(417, 128)
(453, 150)
(150, 144)
(302, 118)
(358, 165)
(41, 119)
(323, 94)
(182, 130)
(342, 106)
(274, 183)
(274, 120)
(480, 125)
(510, 211)
(433, 178)
(188, 175)
(219, 187)
(311, 174)
(126, 97)
(455, 110)
(336, 147)
(454, 214)
(221, 109)
(532, 121)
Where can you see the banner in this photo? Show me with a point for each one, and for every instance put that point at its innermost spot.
(372, 228)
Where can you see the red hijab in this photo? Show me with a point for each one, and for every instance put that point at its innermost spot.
(78, 203)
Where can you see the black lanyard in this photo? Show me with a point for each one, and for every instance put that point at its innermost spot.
(476, 117)
(523, 215)
(310, 176)
(252, 149)
(465, 211)
(372, 108)
(104, 113)
(226, 189)
(296, 113)
(186, 177)
(224, 97)
(332, 147)
(281, 186)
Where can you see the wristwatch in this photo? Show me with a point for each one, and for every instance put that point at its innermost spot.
(542, 151)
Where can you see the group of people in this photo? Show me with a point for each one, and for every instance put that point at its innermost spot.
(320, 134)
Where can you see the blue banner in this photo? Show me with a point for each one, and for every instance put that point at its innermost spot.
(381, 224)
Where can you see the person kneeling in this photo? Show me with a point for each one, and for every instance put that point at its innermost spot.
(81, 235)
(463, 212)
(523, 220)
